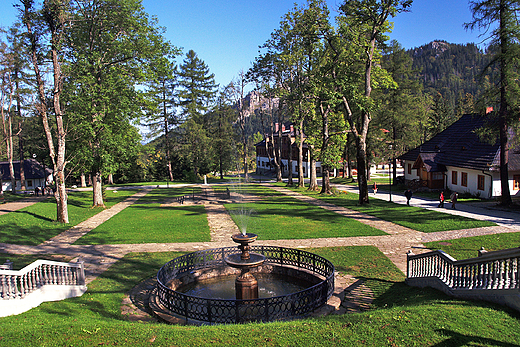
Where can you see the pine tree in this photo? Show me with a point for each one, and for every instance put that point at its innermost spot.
(506, 38)
(197, 89)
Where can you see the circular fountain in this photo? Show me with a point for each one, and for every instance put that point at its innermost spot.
(281, 266)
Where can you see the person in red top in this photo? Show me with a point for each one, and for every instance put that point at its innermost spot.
(441, 199)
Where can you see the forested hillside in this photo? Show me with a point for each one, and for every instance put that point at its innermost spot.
(449, 69)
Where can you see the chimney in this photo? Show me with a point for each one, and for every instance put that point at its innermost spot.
(292, 128)
(489, 109)
(283, 127)
(275, 127)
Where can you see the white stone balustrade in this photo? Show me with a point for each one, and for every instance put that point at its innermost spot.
(42, 280)
(493, 276)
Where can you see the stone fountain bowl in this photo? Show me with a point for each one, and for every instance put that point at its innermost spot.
(243, 239)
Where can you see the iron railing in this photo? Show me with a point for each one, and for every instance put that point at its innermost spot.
(209, 310)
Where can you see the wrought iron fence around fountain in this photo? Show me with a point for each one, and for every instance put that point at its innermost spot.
(284, 307)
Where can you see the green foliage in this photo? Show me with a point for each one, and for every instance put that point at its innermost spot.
(113, 48)
(197, 90)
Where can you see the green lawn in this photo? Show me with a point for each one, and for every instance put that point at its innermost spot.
(468, 247)
(408, 216)
(401, 316)
(148, 222)
(35, 224)
(278, 216)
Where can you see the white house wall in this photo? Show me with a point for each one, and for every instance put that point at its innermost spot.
(261, 163)
(6, 185)
(413, 175)
(472, 183)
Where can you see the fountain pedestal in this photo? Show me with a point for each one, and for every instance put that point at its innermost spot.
(246, 285)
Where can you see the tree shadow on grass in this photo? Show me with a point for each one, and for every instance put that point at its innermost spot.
(12, 233)
(105, 293)
(457, 339)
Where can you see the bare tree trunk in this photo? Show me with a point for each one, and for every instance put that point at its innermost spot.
(97, 190)
(503, 113)
(20, 133)
(325, 180)
(301, 176)
(361, 170)
(289, 160)
(110, 179)
(278, 154)
(83, 182)
(11, 153)
(313, 184)
(58, 158)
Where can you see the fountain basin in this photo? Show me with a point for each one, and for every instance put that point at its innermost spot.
(202, 265)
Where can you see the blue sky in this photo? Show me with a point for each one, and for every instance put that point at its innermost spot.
(226, 34)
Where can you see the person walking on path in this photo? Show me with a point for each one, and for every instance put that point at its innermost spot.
(453, 197)
(375, 188)
(441, 200)
(408, 193)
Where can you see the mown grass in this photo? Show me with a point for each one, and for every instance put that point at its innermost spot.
(408, 216)
(277, 216)
(147, 221)
(35, 224)
(468, 247)
(401, 316)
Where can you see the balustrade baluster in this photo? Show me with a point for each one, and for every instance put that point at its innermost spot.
(9, 290)
(517, 273)
(458, 275)
(494, 276)
(54, 275)
(37, 276)
(509, 274)
(449, 274)
(500, 268)
(34, 284)
(474, 276)
(482, 275)
(59, 269)
(3, 286)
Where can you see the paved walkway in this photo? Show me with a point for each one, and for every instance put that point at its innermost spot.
(395, 245)
(17, 205)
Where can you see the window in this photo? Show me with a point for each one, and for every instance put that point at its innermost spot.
(318, 170)
(29, 183)
(454, 177)
(409, 169)
(437, 176)
(516, 182)
(464, 179)
(481, 182)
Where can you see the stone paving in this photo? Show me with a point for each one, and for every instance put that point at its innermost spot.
(98, 258)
